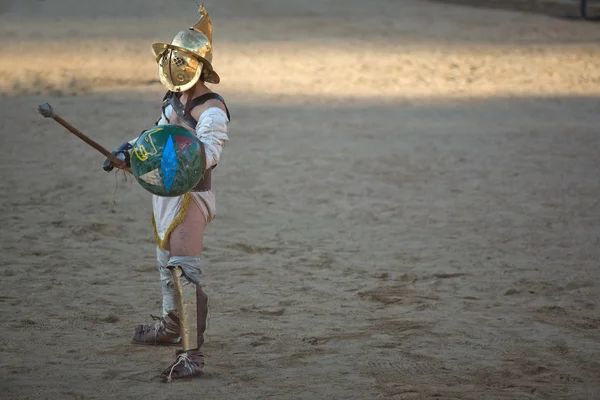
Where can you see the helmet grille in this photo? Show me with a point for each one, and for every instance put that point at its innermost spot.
(178, 61)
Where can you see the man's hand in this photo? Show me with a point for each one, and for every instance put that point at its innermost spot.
(122, 153)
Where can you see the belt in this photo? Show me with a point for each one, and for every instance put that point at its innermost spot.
(204, 184)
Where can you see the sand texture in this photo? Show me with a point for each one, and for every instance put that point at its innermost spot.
(408, 208)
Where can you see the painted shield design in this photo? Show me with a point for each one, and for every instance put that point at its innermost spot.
(167, 160)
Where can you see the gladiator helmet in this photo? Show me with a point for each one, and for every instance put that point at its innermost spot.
(188, 57)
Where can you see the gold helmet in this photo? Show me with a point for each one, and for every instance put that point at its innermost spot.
(188, 57)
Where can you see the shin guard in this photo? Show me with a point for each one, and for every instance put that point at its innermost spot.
(192, 302)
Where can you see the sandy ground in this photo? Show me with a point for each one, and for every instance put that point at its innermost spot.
(408, 207)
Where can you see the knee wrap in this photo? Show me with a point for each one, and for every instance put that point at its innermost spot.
(191, 267)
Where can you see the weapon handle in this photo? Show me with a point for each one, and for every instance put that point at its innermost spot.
(47, 111)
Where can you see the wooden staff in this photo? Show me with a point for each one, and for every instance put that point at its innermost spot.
(47, 111)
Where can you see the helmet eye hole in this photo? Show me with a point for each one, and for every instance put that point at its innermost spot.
(178, 61)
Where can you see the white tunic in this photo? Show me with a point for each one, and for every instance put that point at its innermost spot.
(168, 212)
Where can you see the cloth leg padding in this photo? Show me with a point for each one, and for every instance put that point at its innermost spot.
(169, 300)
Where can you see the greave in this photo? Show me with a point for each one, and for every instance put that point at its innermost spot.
(192, 302)
(202, 310)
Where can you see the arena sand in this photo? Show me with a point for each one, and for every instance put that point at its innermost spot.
(408, 207)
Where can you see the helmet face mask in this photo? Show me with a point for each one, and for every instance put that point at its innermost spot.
(179, 70)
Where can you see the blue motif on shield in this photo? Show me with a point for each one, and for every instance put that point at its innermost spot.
(169, 164)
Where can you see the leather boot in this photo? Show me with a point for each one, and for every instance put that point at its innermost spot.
(188, 364)
(164, 332)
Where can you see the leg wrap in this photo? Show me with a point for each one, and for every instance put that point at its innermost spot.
(169, 300)
(192, 302)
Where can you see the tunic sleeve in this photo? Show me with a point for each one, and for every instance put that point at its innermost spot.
(212, 130)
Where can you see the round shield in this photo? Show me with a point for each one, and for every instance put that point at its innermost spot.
(167, 160)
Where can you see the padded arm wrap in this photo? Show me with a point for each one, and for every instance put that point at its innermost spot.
(212, 131)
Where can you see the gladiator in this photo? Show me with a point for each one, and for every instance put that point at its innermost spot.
(184, 68)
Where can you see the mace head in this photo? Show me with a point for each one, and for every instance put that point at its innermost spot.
(46, 110)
